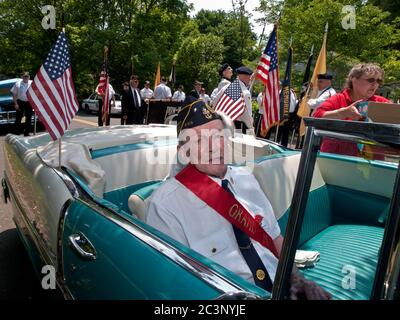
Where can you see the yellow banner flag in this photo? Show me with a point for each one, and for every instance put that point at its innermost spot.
(158, 77)
(312, 91)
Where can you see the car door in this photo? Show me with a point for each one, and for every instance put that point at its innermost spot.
(105, 256)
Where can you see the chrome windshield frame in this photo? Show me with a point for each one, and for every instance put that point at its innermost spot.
(387, 270)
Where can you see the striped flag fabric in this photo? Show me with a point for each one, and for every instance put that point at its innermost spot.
(231, 102)
(103, 89)
(268, 72)
(52, 93)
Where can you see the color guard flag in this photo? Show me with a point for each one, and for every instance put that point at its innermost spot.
(52, 93)
(103, 89)
(268, 72)
(320, 67)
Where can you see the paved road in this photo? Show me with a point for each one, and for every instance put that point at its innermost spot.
(17, 279)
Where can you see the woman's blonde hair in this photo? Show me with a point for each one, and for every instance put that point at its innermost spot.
(360, 69)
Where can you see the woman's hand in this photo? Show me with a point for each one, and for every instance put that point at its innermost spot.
(350, 112)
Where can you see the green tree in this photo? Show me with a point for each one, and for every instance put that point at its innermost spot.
(198, 58)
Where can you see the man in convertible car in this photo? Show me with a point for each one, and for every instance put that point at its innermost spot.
(218, 210)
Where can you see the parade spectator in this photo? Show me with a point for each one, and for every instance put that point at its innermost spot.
(361, 85)
(325, 91)
(162, 91)
(184, 209)
(179, 95)
(146, 93)
(22, 105)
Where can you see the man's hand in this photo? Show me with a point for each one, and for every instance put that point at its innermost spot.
(303, 289)
(125, 117)
(16, 106)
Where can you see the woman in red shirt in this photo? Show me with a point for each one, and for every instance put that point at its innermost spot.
(361, 85)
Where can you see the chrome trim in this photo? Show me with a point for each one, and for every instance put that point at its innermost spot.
(60, 253)
(78, 241)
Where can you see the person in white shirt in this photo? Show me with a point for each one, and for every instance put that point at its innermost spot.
(22, 105)
(325, 91)
(245, 121)
(179, 95)
(204, 96)
(162, 91)
(177, 209)
(146, 93)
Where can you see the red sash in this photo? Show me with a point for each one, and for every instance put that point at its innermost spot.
(225, 204)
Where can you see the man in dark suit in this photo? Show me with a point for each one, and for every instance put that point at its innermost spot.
(132, 104)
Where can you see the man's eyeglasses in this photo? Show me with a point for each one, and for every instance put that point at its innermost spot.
(373, 80)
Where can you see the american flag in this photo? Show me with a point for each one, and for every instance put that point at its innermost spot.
(231, 102)
(268, 72)
(52, 93)
(103, 90)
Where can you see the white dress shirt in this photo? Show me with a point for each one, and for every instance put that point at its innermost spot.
(179, 96)
(322, 96)
(146, 93)
(176, 211)
(20, 88)
(247, 116)
(162, 91)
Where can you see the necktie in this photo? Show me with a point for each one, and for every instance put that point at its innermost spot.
(249, 253)
(135, 99)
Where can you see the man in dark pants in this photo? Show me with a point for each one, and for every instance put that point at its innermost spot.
(22, 105)
(133, 104)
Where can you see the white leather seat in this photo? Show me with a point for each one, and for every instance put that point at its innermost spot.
(138, 201)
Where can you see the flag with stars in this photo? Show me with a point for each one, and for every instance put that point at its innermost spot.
(268, 72)
(52, 93)
(231, 102)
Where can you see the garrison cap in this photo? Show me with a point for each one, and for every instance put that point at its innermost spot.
(244, 70)
(195, 113)
(327, 76)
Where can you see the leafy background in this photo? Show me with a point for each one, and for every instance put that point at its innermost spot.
(141, 33)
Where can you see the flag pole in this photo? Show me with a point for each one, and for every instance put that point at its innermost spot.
(59, 140)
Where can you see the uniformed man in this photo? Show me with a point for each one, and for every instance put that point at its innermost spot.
(325, 91)
(196, 90)
(245, 121)
(225, 72)
(200, 206)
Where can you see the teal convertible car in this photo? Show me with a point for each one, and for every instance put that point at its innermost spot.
(85, 217)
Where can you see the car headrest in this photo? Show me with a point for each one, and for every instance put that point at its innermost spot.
(138, 200)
